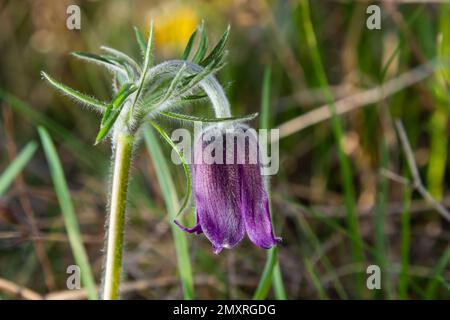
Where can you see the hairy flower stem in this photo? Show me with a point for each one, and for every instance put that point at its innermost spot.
(116, 223)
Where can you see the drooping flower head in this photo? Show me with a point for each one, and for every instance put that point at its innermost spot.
(230, 195)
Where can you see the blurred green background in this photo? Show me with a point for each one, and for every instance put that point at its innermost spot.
(334, 204)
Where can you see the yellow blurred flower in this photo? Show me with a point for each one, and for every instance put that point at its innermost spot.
(173, 26)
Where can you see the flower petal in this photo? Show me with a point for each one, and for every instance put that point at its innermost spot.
(255, 207)
(197, 228)
(217, 199)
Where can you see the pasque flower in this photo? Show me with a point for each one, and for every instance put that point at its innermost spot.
(231, 199)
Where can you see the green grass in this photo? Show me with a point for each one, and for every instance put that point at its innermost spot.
(84, 153)
(265, 282)
(405, 245)
(380, 221)
(437, 274)
(171, 200)
(322, 199)
(16, 166)
(68, 211)
(315, 279)
(308, 232)
(346, 171)
(272, 272)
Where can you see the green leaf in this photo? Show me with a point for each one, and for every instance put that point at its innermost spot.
(122, 94)
(121, 79)
(113, 110)
(185, 117)
(174, 83)
(70, 219)
(78, 96)
(169, 194)
(123, 58)
(147, 63)
(187, 50)
(189, 82)
(16, 166)
(140, 40)
(218, 50)
(102, 61)
(192, 80)
(115, 83)
(119, 98)
(132, 74)
(194, 97)
(184, 163)
(202, 47)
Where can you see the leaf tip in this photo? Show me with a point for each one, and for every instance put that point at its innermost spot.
(97, 140)
(151, 26)
(42, 131)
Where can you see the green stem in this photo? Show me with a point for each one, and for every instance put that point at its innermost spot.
(116, 223)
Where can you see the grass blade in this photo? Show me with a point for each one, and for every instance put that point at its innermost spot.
(185, 166)
(70, 219)
(16, 166)
(264, 122)
(437, 274)
(171, 200)
(266, 279)
(405, 245)
(315, 279)
(93, 160)
(277, 282)
(381, 206)
(345, 168)
(272, 271)
(307, 231)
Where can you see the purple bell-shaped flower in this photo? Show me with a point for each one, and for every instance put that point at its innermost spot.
(230, 195)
